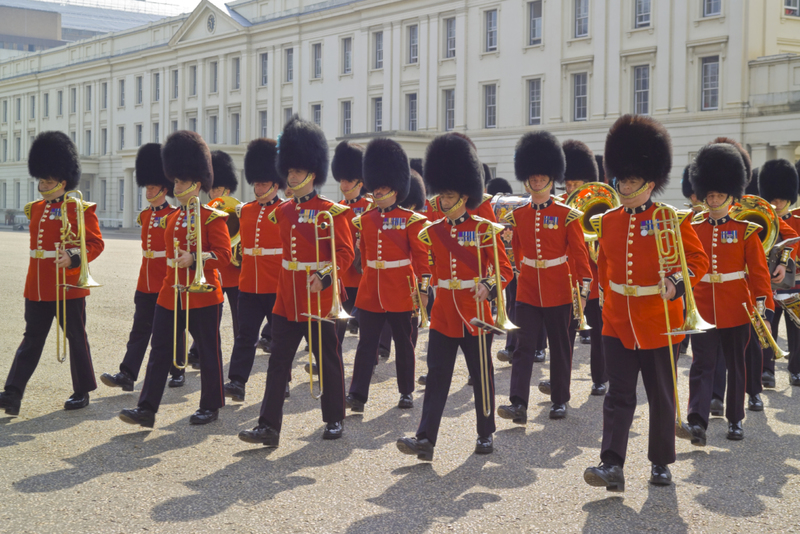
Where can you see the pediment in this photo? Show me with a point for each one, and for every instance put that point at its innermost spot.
(206, 22)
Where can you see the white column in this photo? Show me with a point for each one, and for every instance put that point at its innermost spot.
(787, 151)
(128, 209)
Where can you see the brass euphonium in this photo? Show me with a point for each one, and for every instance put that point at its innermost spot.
(754, 209)
(228, 205)
(593, 198)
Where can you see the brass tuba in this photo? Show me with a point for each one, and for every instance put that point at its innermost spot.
(757, 210)
(593, 198)
(228, 205)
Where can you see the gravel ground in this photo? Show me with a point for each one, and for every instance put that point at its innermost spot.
(87, 471)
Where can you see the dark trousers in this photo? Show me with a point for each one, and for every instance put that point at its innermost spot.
(204, 328)
(530, 320)
(139, 338)
(705, 348)
(511, 312)
(792, 336)
(597, 361)
(623, 367)
(286, 336)
(370, 327)
(442, 351)
(253, 309)
(720, 372)
(233, 302)
(349, 306)
(754, 359)
(38, 320)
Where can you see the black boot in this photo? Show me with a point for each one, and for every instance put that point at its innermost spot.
(516, 412)
(139, 416)
(421, 448)
(264, 435)
(120, 380)
(234, 390)
(333, 430)
(77, 401)
(605, 475)
(660, 475)
(10, 401)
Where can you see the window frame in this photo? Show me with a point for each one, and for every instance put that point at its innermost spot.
(314, 109)
(121, 136)
(192, 80)
(707, 4)
(236, 73)
(580, 18)
(316, 61)
(489, 109)
(449, 107)
(346, 108)
(532, 39)
(213, 72)
(636, 91)
(449, 51)
(377, 55)
(638, 18)
(138, 85)
(703, 62)
(156, 87)
(213, 129)
(347, 55)
(236, 125)
(73, 101)
(87, 93)
(288, 71)
(575, 96)
(490, 36)
(795, 7)
(377, 114)
(104, 95)
(138, 134)
(534, 120)
(412, 34)
(121, 95)
(264, 66)
(175, 93)
(263, 124)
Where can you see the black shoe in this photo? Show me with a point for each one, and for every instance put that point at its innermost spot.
(406, 401)
(484, 445)
(598, 390)
(544, 387)
(10, 402)
(333, 430)
(605, 475)
(660, 475)
(503, 355)
(119, 380)
(586, 340)
(177, 381)
(287, 393)
(77, 401)
(354, 404)
(794, 379)
(384, 353)
(717, 407)
(470, 381)
(263, 435)
(235, 390)
(193, 359)
(558, 411)
(139, 416)
(315, 367)
(264, 344)
(768, 379)
(203, 417)
(697, 434)
(421, 448)
(516, 412)
(735, 431)
(755, 404)
(352, 327)
(538, 356)
(422, 380)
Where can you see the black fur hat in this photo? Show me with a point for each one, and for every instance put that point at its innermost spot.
(778, 179)
(259, 163)
(452, 164)
(748, 166)
(54, 155)
(539, 152)
(302, 145)
(487, 175)
(386, 165)
(686, 183)
(581, 164)
(718, 167)
(416, 164)
(149, 170)
(347, 162)
(601, 171)
(224, 171)
(415, 200)
(498, 185)
(752, 187)
(186, 156)
(638, 146)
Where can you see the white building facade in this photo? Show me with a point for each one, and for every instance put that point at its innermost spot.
(408, 69)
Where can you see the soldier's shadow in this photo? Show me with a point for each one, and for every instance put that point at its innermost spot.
(660, 512)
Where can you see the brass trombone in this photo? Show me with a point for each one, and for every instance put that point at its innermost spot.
(419, 309)
(764, 334)
(577, 305)
(85, 280)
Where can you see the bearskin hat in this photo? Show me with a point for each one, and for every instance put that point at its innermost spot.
(416, 164)
(259, 163)
(415, 200)
(149, 170)
(452, 164)
(224, 171)
(54, 155)
(752, 187)
(347, 162)
(601, 171)
(748, 166)
(386, 165)
(539, 152)
(718, 167)
(778, 179)
(302, 145)
(686, 183)
(185, 156)
(638, 146)
(487, 175)
(581, 164)
(498, 185)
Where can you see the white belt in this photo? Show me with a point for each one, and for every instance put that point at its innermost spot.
(40, 254)
(262, 251)
(456, 284)
(718, 278)
(388, 264)
(171, 262)
(544, 264)
(634, 291)
(301, 265)
(154, 254)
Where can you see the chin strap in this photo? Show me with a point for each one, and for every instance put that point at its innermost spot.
(344, 192)
(724, 205)
(188, 191)
(455, 208)
(50, 192)
(532, 191)
(302, 184)
(268, 193)
(634, 194)
(159, 195)
(387, 196)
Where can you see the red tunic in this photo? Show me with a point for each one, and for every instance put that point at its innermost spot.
(261, 248)
(388, 237)
(351, 277)
(154, 256)
(216, 252)
(45, 230)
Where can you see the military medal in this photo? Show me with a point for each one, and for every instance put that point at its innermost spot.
(550, 222)
(647, 228)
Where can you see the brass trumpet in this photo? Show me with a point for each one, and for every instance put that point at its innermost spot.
(577, 305)
(764, 334)
(419, 309)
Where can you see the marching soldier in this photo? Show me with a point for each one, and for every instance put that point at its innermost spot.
(546, 236)
(261, 260)
(303, 161)
(150, 176)
(53, 161)
(187, 163)
(453, 171)
(393, 258)
(638, 154)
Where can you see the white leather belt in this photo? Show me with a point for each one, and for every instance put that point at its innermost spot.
(380, 264)
(718, 278)
(171, 262)
(41, 254)
(262, 251)
(154, 254)
(544, 264)
(456, 284)
(634, 291)
(301, 265)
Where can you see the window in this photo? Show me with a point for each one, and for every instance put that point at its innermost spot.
(642, 14)
(262, 121)
(174, 84)
(287, 115)
(102, 195)
(316, 49)
(534, 101)
(316, 112)
(193, 124)
(710, 92)
(712, 7)
(87, 140)
(104, 95)
(138, 135)
(791, 8)
(236, 67)
(581, 18)
(5, 198)
(156, 133)
(73, 100)
(378, 38)
(17, 148)
(491, 31)
(87, 93)
(535, 23)
(73, 136)
(122, 93)
(18, 110)
(289, 65)
(579, 98)
(17, 195)
(212, 129)
(347, 55)
(264, 65)
(346, 117)
(31, 189)
(413, 43)
(173, 126)
(139, 89)
(377, 107)
(449, 109)
(5, 111)
(46, 110)
(234, 128)
(121, 137)
(104, 140)
(33, 107)
(411, 102)
(213, 76)
(60, 103)
(121, 183)
(490, 106)
(156, 87)
(193, 80)
(139, 199)
(5, 149)
(450, 37)
(641, 90)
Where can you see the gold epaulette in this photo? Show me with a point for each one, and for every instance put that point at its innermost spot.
(683, 214)
(509, 218)
(597, 224)
(28, 208)
(273, 216)
(573, 215)
(486, 196)
(751, 229)
(139, 219)
(163, 222)
(87, 205)
(215, 215)
(424, 237)
(415, 217)
(357, 222)
(699, 218)
(238, 209)
(337, 209)
(435, 202)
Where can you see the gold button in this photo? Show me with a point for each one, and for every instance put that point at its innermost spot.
(630, 282)
(294, 226)
(631, 234)
(630, 242)
(630, 254)
(630, 263)
(630, 272)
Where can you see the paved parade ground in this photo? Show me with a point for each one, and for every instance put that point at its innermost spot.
(87, 471)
